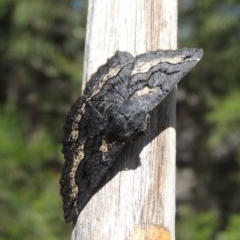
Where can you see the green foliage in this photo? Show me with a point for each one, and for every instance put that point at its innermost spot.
(196, 225)
(29, 171)
(232, 230)
(225, 118)
(214, 114)
(41, 45)
(43, 50)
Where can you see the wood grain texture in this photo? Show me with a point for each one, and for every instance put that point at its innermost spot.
(144, 192)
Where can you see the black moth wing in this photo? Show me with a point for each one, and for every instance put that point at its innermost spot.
(154, 74)
(113, 68)
(81, 125)
(113, 109)
(88, 150)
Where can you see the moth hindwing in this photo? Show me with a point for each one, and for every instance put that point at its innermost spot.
(113, 109)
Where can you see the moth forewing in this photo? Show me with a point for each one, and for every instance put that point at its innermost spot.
(154, 74)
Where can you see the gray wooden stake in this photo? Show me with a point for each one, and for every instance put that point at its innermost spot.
(138, 203)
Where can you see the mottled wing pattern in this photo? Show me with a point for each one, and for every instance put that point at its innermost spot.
(113, 109)
(87, 149)
(155, 74)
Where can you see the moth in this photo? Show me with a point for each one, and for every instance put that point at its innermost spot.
(113, 109)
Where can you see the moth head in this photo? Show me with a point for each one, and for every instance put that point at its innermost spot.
(128, 121)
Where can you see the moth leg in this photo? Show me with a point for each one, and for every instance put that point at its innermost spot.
(147, 125)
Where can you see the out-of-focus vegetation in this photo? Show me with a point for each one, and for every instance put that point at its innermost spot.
(209, 121)
(41, 47)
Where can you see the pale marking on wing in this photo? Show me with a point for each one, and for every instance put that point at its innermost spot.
(75, 133)
(104, 149)
(80, 113)
(144, 67)
(77, 158)
(111, 73)
(146, 91)
(73, 136)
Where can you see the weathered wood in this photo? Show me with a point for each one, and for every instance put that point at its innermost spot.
(138, 202)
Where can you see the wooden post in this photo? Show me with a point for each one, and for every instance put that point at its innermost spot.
(139, 202)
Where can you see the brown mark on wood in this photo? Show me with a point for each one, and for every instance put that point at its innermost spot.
(150, 232)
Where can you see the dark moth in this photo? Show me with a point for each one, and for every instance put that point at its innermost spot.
(114, 108)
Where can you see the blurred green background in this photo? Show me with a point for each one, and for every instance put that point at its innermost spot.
(41, 49)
